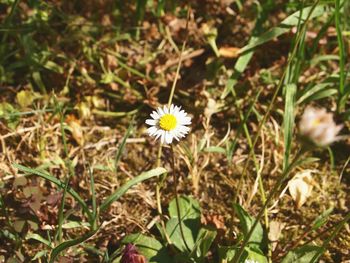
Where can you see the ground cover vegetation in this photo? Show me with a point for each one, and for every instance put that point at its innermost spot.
(174, 131)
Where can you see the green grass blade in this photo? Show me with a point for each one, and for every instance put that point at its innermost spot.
(140, 13)
(121, 147)
(93, 199)
(239, 68)
(68, 163)
(288, 122)
(286, 25)
(122, 190)
(311, 92)
(325, 244)
(39, 238)
(245, 58)
(232, 145)
(341, 47)
(63, 246)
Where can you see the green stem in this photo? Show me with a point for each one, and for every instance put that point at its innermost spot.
(66, 183)
(341, 48)
(160, 181)
(172, 91)
(177, 197)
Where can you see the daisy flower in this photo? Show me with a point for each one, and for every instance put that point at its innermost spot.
(168, 123)
(318, 126)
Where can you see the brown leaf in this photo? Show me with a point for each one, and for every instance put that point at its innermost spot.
(216, 220)
(229, 52)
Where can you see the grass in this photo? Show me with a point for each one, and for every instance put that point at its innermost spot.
(80, 178)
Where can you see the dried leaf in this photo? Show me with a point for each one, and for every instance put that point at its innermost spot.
(76, 129)
(300, 187)
(229, 52)
(83, 110)
(20, 181)
(275, 230)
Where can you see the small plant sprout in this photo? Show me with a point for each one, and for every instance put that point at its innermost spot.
(168, 123)
(318, 127)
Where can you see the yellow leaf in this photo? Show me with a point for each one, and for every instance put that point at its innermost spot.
(25, 98)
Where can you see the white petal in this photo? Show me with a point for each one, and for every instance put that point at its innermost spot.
(160, 112)
(166, 110)
(184, 129)
(155, 115)
(171, 111)
(175, 134)
(151, 122)
(168, 138)
(152, 130)
(159, 133)
(185, 121)
(162, 138)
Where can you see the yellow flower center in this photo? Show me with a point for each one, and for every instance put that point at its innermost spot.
(167, 122)
(316, 122)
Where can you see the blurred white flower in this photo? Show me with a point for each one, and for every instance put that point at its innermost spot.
(318, 126)
(250, 261)
(168, 123)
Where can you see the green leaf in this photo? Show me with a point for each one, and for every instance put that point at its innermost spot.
(151, 248)
(39, 82)
(239, 68)
(322, 219)
(288, 121)
(286, 25)
(189, 208)
(39, 238)
(93, 222)
(25, 98)
(50, 65)
(10, 114)
(226, 253)
(255, 255)
(246, 221)
(204, 240)
(121, 147)
(215, 149)
(40, 254)
(63, 246)
(306, 160)
(304, 254)
(190, 213)
(306, 94)
(190, 230)
(122, 190)
(75, 224)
